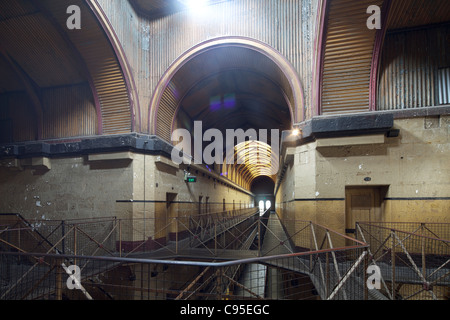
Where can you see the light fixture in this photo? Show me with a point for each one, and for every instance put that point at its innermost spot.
(296, 132)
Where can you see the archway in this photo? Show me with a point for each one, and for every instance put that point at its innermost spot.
(228, 83)
(263, 188)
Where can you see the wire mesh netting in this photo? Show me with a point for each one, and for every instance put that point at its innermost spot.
(240, 254)
(414, 258)
(56, 277)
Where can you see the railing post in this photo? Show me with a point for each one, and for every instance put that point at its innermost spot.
(424, 270)
(63, 233)
(176, 235)
(219, 283)
(366, 277)
(327, 273)
(393, 264)
(75, 243)
(59, 272)
(259, 235)
(311, 246)
(215, 238)
(120, 237)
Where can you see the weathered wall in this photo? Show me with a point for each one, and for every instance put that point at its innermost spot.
(72, 188)
(125, 185)
(413, 168)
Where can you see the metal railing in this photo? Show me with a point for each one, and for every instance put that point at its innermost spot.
(413, 258)
(49, 276)
(264, 259)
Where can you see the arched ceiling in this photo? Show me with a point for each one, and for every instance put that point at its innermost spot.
(31, 40)
(256, 85)
(348, 52)
(231, 88)
(262, 185)
(256, 159)
(237, 98)
(38, 52)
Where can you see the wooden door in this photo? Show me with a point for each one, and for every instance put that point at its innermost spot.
(361, 205)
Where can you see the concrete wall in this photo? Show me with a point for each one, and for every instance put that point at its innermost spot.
(126, 185)
(412, 169)
(70, 188)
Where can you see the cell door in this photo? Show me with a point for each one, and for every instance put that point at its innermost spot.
(361, 205)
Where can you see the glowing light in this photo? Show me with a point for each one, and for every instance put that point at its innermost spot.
(296, 132)
(257, 157)
(193, 4)
(261, 207)
(229, 100)
(226, 101)
(215, 103)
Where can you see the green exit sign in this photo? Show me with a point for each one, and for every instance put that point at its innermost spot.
(191, 179)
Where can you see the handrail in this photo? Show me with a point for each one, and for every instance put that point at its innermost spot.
(182, 262)
(407, 232)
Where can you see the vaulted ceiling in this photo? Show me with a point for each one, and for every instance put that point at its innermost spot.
(32, 45)
(39, 52)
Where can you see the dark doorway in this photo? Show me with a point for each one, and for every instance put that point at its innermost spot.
(263, 187)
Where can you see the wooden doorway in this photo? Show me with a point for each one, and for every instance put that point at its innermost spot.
(362, 204)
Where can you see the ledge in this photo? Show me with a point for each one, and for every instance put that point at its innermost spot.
(111, 156)
(351, 141)
(88, 146)
(340, 126)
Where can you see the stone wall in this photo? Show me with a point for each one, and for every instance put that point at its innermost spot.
(123, 184)
(411, 171)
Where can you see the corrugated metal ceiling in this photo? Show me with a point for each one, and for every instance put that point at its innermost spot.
(349, 47)
(250, 88)
(157, 8)
(347, 58)
(30, 39)
(34, 36)
(415, 13)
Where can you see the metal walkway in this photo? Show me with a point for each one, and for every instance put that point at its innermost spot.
(247, 256)
(275, 238)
